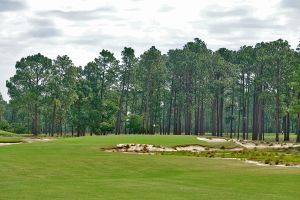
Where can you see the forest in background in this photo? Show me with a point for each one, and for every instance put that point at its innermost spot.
(192, 90)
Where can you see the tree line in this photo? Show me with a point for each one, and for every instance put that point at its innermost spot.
(191, 90)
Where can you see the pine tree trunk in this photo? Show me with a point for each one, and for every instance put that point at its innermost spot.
(255, 116)
(247, 117)
(277, 116)
(65, 130)
(53, 119)
(283, 127)
(175, 126)
(78, 132)
(179, 121)
(260, 120)
(232, 111)
(239, 120)
(119, 113)
(214, 116)
(221, 109)
(102, 95)
(298, 128)
(218, 113)
(244, 109)
(60, 127)
(287, 127)
(197, 110)
(170, 111)
(202, 112)
(78, 120)
(126, 106)
(247, 106)
(35, 121)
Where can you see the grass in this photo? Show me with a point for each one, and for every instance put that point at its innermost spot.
(10, 139)
(7, 134)
(76, 168)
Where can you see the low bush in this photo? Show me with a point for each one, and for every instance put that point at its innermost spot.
(288, 156)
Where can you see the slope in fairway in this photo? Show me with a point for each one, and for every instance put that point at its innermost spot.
(76, 168)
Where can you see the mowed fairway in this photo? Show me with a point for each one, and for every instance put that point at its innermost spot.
(76, 168)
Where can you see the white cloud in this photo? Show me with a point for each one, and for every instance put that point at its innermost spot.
(81, 28)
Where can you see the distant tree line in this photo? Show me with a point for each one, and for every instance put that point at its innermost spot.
(192, 90)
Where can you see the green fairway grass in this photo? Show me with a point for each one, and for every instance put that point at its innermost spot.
(77, 168)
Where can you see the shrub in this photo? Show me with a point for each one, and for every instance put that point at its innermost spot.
(268, 161)
(106, 127)
(135, 123)
(18, 128)
(4, 125)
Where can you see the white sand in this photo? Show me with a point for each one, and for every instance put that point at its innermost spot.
(257, 163)
(251, 145)
(141, 148)
(211, 139)
(28, 140)
(268, 165)
(146, 148)
(6, 144)
(192, 148)
(152, 148)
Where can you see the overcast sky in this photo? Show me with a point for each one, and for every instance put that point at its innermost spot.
(81, 28)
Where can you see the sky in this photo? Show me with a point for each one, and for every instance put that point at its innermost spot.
(82, 28)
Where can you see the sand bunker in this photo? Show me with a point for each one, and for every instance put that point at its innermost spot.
(30, 140)
(27, 140)
(260, 163)
(6, 144)
(251, 145)
(257, 163)
(211, 139)
(152, 149)
(146, 148)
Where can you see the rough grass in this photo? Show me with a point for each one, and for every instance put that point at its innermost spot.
(221, 145)
(10, 139)
(7, 134)
(270, 137)
(287, 156)
(76, 168)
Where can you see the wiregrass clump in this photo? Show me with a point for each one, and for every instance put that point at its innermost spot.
(287, 156)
